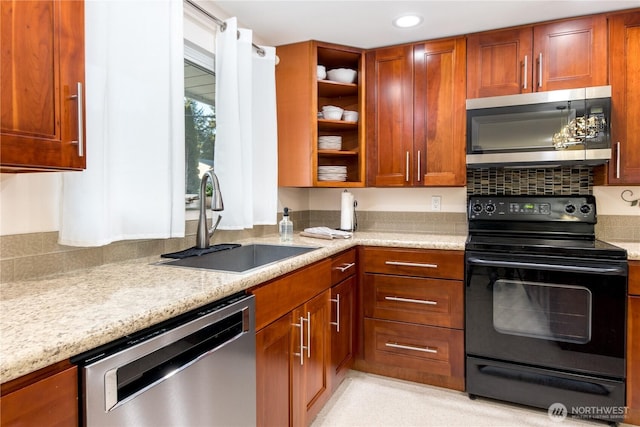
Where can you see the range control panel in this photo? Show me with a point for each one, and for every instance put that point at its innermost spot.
(532, 208)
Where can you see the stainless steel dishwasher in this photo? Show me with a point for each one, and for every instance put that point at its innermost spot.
(198, 369)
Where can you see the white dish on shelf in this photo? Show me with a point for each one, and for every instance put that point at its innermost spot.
(350, 116)
(342, 75)
(321, 72)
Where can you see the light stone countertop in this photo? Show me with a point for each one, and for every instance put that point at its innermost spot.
(51, 319)
(633, 249)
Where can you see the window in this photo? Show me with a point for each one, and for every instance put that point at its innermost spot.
(200, 118)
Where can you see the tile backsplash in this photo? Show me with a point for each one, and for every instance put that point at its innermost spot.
(557, 181)
(29, 256)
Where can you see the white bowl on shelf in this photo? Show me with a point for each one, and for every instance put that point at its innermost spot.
(350, 116)
(331, 112)
(322, 72)
(342, 75)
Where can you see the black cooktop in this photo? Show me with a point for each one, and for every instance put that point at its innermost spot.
(531, 245)
(537, 225)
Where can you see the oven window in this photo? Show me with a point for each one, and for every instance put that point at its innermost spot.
(542, 310)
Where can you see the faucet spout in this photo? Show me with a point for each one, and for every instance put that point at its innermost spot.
(204, 235)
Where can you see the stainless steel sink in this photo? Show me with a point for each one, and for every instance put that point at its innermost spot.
(241, 259)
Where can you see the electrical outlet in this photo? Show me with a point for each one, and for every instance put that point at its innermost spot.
(435, 203)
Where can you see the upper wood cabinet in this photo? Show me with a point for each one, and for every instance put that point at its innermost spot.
(416, 114)
(300, 97)
(558, 55)
(624, 75)
(42, 81)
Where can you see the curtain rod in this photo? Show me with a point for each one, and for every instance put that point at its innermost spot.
(222, 24)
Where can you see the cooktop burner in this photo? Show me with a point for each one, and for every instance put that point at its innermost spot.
(537, 225)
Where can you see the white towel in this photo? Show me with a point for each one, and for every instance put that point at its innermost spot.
(329, 232)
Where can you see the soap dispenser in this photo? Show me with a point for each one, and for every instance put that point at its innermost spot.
(286, 227)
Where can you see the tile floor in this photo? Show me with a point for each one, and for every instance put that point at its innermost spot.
(369, 401)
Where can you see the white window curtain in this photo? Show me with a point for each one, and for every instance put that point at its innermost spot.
(133, 187)
(246, 157)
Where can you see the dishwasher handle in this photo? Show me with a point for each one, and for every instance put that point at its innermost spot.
(125, 382)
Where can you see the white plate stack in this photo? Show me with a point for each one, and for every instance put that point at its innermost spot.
(332, 173)
(330, 142)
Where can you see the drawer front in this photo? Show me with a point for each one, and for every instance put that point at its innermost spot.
(634, 277)
(276, 298)
(438, 351)
(410, 299)
(414, 262)
(343, 266)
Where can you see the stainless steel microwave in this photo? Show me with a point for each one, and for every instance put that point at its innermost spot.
(543, 129)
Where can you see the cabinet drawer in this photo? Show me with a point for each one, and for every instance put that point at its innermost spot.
(343, 266)
(278, 297)
(416, 300)
(634, 278)
(438, 351)
(414, 262)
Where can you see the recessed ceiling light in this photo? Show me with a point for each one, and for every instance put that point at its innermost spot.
(407, 21)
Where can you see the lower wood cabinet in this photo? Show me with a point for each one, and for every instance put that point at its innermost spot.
(48, 397)
(413, 310)
(293, 352)
(633, 345)
(343, 312)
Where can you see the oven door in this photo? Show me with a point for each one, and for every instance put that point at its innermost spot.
(558, 313)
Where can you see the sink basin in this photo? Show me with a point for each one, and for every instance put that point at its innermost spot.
(241, 259)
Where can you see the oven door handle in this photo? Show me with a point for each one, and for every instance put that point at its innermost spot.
(610, 271)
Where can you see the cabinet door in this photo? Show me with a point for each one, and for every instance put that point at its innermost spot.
(52, 401)
(311, 386)
(570, 53)
(42, 67)
(342, 322)
(439, 113)
(499, 63)
(389, 75)
(624, 63)
(274, 358)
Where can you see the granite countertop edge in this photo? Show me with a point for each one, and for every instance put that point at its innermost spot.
(48, 320)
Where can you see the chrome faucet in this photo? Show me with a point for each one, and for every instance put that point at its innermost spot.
(204, 235)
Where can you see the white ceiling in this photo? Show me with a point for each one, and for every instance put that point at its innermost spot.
(367, 24)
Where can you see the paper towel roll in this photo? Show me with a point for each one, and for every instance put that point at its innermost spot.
(346, 212)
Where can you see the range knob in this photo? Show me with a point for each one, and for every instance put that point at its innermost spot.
(570, 209)
(490, 208)
(585, 209)
(476, 208)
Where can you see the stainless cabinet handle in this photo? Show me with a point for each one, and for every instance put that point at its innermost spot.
(411, 264)
(417, 301)
(540, 70)
(345, 267)
(410, 347)
(526, 65)
(308, 320)
(406, 178)
(618, 160)
(80, 141)
(301, 354)
(419, 166)
(337, 322)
